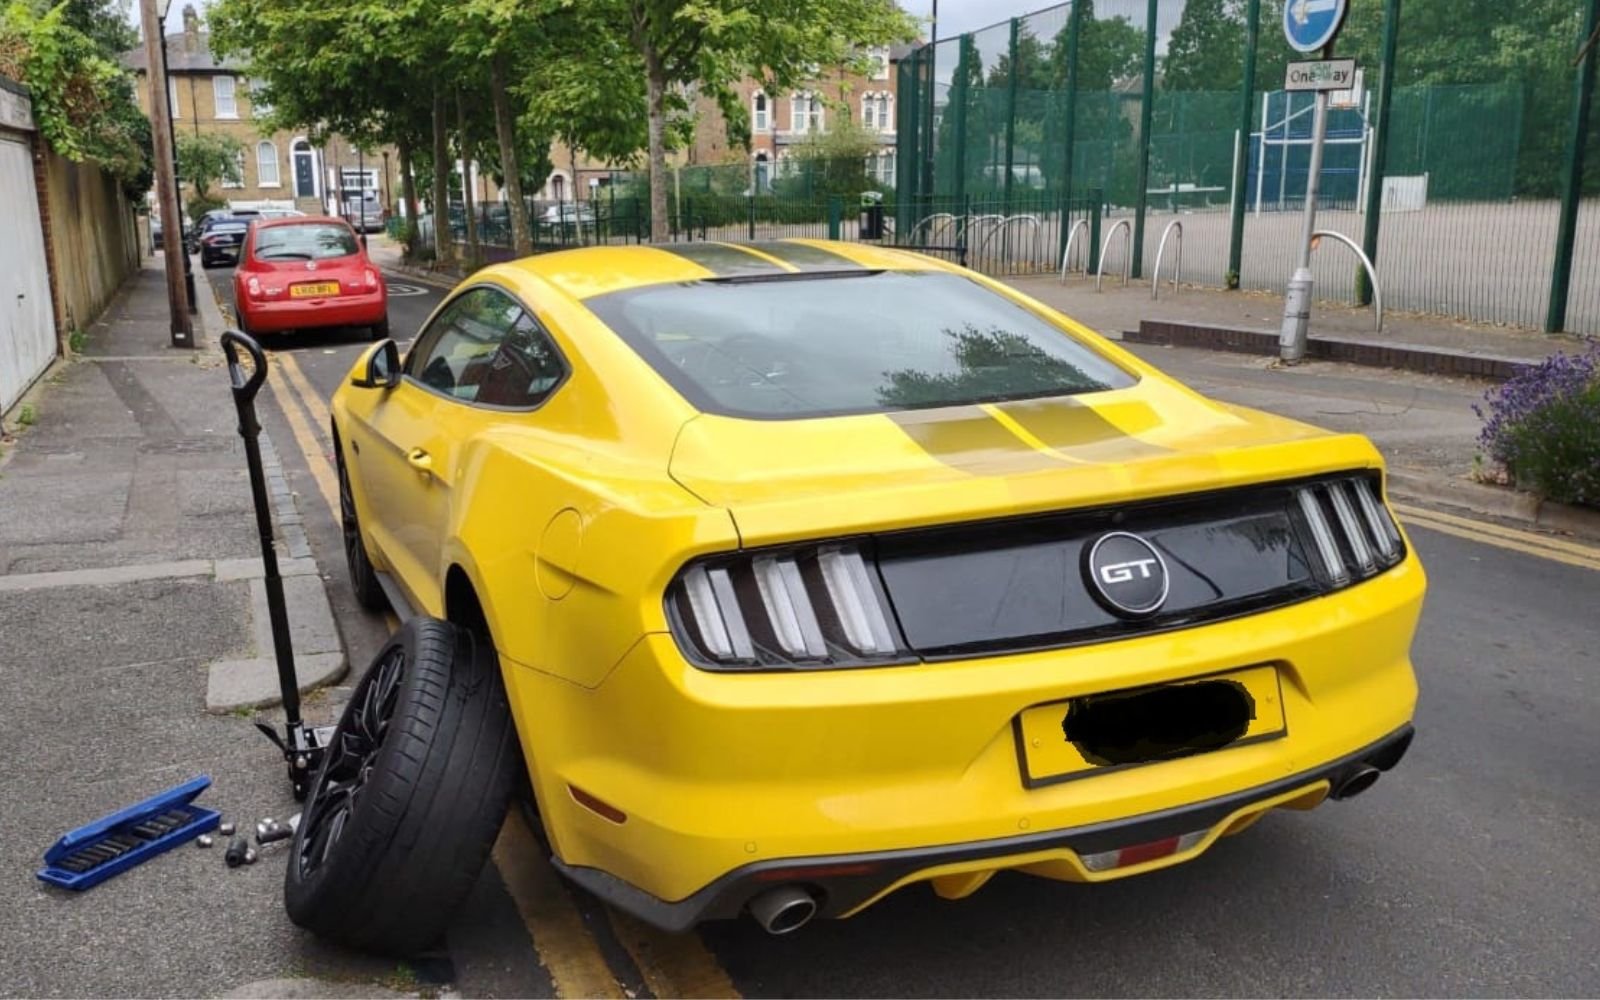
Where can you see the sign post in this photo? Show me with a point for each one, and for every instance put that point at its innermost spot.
(1310, 25)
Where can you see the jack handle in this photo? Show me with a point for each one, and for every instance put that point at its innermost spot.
(245, 389)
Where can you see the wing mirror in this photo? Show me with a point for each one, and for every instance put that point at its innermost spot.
(383, 368)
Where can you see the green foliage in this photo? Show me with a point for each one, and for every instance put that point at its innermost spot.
(207, 158)
(83, 99)
(1543, 426)
(77, 340)
(831, 163)
(199, 205)
(27, 416)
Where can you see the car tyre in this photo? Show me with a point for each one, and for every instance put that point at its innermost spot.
(380, 329)
(408, 800)
(363, 577)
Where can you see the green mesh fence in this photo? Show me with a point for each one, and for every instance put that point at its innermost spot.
(1147, 104)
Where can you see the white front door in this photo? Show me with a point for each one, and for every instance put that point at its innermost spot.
(27, 323)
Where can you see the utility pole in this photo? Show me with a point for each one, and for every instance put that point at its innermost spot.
(177, 182)
(166, 174)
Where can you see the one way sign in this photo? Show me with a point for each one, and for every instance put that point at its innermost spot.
(1324, 74)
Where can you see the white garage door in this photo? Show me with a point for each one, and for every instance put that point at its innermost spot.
(27, 325)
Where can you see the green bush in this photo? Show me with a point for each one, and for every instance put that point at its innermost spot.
(1544, 426)
(198, 207)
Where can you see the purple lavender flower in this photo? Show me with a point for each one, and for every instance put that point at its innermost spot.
(1543, 425)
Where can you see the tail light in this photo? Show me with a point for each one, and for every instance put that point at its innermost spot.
(252, 287)
(372, 278)
(1354, 535)
(820, 606)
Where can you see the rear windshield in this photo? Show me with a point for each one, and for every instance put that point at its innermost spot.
(854, 343)
(311, 241)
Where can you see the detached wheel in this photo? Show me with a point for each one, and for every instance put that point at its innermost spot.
(363, 578)
(405, 808)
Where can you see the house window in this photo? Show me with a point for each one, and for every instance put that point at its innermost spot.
(227, 106)
(760, 114)
(877, 112)
(235, 177)
(805, 113)
(878, 56)
(259, 105)
(266, 164)
(880, 167)
(172, 96)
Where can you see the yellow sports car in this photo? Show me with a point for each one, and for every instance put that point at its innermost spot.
(798, 572)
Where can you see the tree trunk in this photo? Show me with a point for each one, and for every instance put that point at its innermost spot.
(444, 247)
(572, 167)
(474, 258)
(505, 130)
(657, 91)
(408, 191)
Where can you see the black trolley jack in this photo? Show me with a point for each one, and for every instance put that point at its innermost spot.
(302, 745)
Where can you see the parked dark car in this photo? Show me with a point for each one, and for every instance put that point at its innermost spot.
(220, 242)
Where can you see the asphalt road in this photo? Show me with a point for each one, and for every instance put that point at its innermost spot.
(1469, 870)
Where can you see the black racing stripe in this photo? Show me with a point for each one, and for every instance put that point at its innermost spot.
(1076, 430)
(722, 260)
(807, 257)
(968, 439)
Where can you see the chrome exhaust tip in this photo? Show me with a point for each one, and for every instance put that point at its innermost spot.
(1358, 781)
(784, 909)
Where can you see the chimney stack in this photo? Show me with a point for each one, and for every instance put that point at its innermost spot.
(191, 28)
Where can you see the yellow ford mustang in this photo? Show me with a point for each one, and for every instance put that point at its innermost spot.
(818, 569)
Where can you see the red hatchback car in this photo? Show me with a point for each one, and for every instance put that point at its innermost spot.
(307, 271)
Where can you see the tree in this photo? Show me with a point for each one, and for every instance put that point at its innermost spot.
(206, 158)
(709, 45)
(82, 97)
(322, 77)
(834, 163)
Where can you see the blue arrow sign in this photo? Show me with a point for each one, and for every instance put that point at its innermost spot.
(1311, 24)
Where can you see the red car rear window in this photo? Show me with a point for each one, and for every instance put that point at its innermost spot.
(305, 241)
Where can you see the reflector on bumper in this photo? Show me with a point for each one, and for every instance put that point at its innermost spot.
(1125, 857)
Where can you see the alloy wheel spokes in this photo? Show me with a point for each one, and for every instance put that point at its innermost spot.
(352, 753)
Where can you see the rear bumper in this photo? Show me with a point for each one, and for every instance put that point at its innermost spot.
(343, 310)
(845, 883)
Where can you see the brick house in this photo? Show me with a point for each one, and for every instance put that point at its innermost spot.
(777, 123)
(277, 169)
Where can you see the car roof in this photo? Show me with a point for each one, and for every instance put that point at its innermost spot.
(278, 221)
(590, 271)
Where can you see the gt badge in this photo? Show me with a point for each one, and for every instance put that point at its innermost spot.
(1126, 575)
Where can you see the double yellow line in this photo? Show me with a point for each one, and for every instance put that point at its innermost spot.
(1511, 539)
(671, 965)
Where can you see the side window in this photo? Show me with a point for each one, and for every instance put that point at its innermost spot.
(484, 348)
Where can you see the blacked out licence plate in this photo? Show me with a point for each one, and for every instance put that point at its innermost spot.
(1094, 733)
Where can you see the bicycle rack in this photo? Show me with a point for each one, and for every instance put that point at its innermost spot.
(1066, 252)
(1127, 253)
(943, 216)
(1372, 273)
(1177, 258)
(1005, 224)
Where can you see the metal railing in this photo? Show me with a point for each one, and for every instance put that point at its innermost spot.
(1126, 229)
(1066, 251)
(1177, 258)
(1372, 272)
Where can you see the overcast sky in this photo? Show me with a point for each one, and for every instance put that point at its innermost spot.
(957, 16)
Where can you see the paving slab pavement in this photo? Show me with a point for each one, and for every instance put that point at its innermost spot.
(131, 602)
